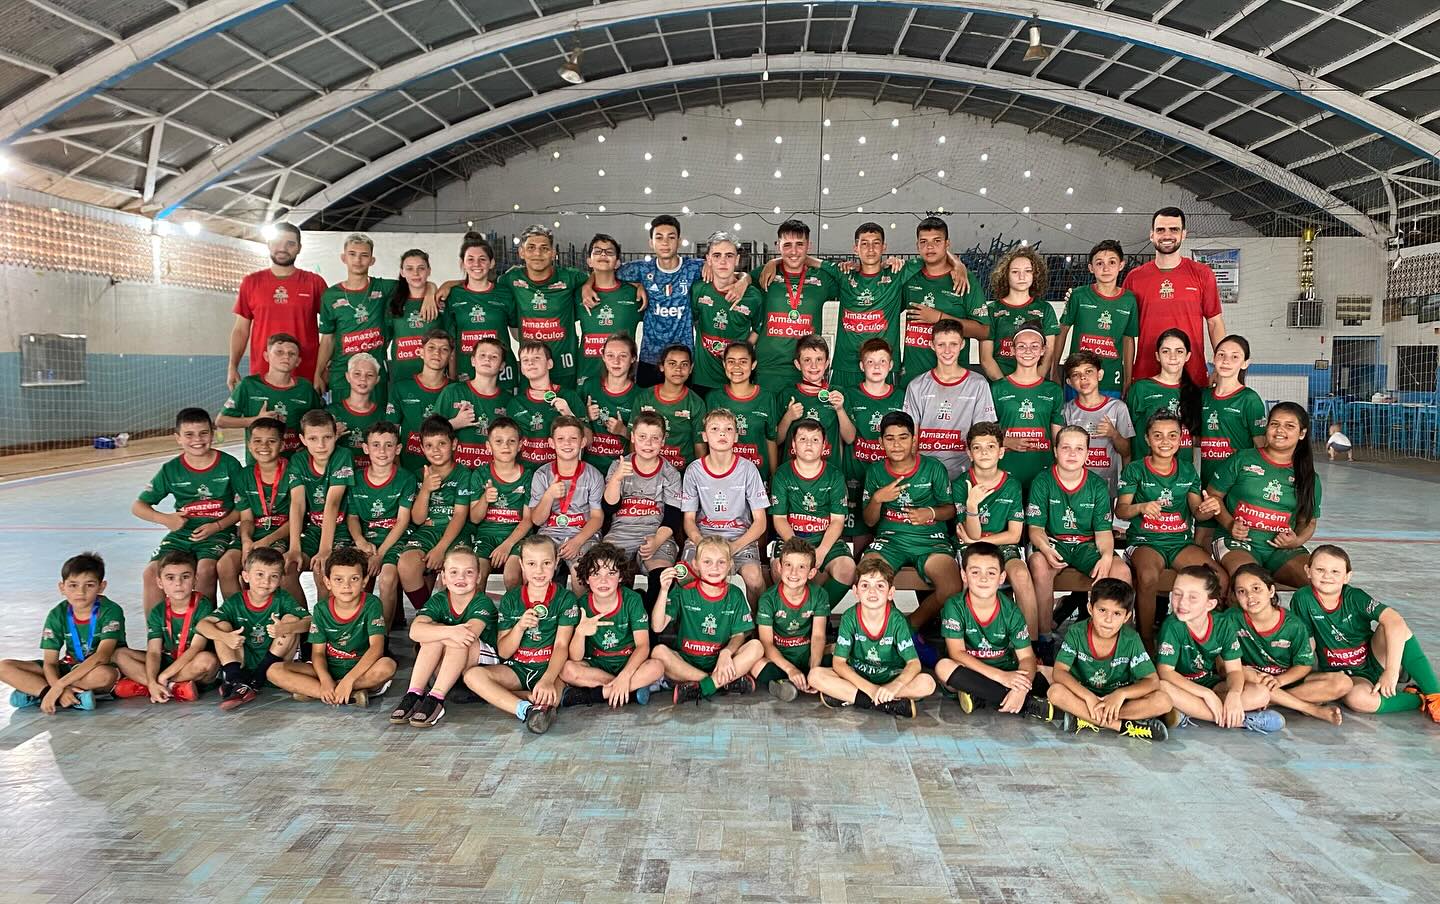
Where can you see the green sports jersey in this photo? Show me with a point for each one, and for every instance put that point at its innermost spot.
(1227, 425)
(378, 505)
(925, 485)
(866, 411)
(508, 509)
(870, 308)
(808, 395)
(683, 417)
(879, 656)
(561, 608)
(239, 613)
(441, 610)
(792, 624)
(1001, 320)
(285, 403)
(1101, 324)
(793, 302)
(1193, 656)
(1069, 514)
(201, 494)
(406, 336)
(358, 320)
(1126, 663)
(1006, 503)
(411, 402)
(339, 471)
(346, 638)
(993, 640)
(606, 447)
(472, 443)
(545, 312)
(717, 324)
(472, 316)
(456, 488)
(612, 644)
(936, 292)
(756, 418)
(355, 421)
(704, 624)
(1284, 646)
(105, 621)
(808, 503)
(1028, 411)
(1342, 635)
(1144, 398)
(268, 503)
(535, 413)
(616, 313)
(1260, 493)
(1175, 524)
(168, 626)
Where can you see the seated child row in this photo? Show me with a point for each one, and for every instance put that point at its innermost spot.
(541, 647)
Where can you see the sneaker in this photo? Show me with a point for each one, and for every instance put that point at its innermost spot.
(428, 712)
(1429, 705)
(783, 690)
(900, 706)
(661, 684)
(360, 698)
(742, 685)
(1039, 708)
(1264, 721)
(642, 695)
(461, 694)
(685, 691)
(1073, 724)
(404, 709)
(85, 700)
(581, 696)
(967, 702)
(1144, 729)
(239, 695)
(20, 699)
(540, 718)
(185, 691)
(833, 702)
(126, 689)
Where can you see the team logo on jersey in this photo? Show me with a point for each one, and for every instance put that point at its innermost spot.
(984, 512)
(477, 315)
(708, 625)
(947, 411)
(1101, 677)
(865, 297)
(203, 491)
(539, 302)
(1166, 498)
(1167, 289)
(741, 424)
(537, 421)
(1213, 422)
(1272, 491)
(903, 500)
(533, 633)
(722, 319)
(809, 501)
(1069, 520)
(281, 411)
(1027, 410)
(872, 655)
(415, 320)
(362, 313)
(1173, 406)
(377, 508)
(611, 639)
(1105, 321)
(875, 419)
(719, 502)
(929, 300)
(605, 316)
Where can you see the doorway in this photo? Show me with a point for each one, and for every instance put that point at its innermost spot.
(1355, 371)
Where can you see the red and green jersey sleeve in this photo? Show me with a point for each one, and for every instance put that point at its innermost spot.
(201, 494)
(1342, 635)
(287, 404)
(1284, 646)
(1100, 324)
(471, 316)
(719, 323)
(935, 292)
(1002, 320)
(1144, 399)
(793, 302)
(880, 656)
(168, 627)
(1175, 523)
(1192, 655)
(406, 335)
(808, 503)
(683, 417)
(1260, 493)
(994, 640)
(928, 485)
(105, 621)
(1228, 424)
(616, 313)
(870, 308)
(1071, 514)
(1102, 673)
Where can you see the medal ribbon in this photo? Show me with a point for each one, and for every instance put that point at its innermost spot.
(573, 479)
(795, 294)
(266, 506)
(185, 628)
(84, 649)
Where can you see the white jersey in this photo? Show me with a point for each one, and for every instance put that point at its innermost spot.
(1103, 459)
(643, 498)
(584, 493)
(944, 412)
(724, 503)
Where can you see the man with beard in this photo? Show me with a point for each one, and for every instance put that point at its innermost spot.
(1174, 292)
(279, 299)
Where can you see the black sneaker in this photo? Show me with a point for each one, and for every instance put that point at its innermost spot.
(898, 707)
(1144, 729)
(239, 695)
(742, 685)
(540, 718)
(833, 702)
(461, 694)
(404, 709)
(581, 696)
(428, 712)
(1039, 708)
(685, 691)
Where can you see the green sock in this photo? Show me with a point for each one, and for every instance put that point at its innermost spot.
(836, 591)
(1413, 661)
(707, 686)
(770, 673)
(1400, 703)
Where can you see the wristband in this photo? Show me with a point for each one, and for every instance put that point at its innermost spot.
(969, 513)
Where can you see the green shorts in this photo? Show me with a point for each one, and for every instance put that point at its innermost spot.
(705, 664)
(426, 538)
(839, 550)
(339, 668)
(1167, 551)
(883, 677)
(484, 543)
(310, 540)
(1270, 558)
(212, 547)
(610, 665)
(529, 673)
(392, 555)
(900, 553)
(1082, 557)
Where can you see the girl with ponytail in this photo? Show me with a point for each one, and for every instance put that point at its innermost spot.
(1171, 388)
(1232, 417)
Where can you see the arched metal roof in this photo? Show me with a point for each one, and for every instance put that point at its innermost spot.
(1281, 111)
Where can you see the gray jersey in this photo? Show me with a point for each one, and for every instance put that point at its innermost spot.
(1103, 460)
(723, 503)
(643, 498)
(944, 413)
(568, 512)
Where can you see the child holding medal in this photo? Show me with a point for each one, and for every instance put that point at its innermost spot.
(567, 495)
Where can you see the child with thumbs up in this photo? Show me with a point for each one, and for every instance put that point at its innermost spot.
(255, 628)
(610, 649)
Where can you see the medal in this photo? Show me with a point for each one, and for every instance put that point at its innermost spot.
(682, 574)
(562, 520)
(541, 610)
(824, 395)
(794, 314)
(550, 395)
(795, 295)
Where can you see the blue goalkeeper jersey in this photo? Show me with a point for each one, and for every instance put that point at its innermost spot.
(667, 308)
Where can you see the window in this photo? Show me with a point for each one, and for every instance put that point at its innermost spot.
(1415, 367)
(52, 359)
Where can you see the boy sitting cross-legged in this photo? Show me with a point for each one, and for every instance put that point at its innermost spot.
(610, 649)
(791, 621)
(988, 660)
(454, 631)
(175, 661)
(254, 629)
(347, 640)
(88, 627)
(875, 664)
(712, 619)
(1103, 678)
(536, 621)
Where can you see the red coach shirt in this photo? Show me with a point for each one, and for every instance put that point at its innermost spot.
(1182, 298)
(290, 305)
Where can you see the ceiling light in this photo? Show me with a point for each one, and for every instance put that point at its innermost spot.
(892, 225)
(557, 224)
(515, 207)
(684, 210)
(894, 123)
(555, 154)
(1036, 51)
(776, 174)
(737, 227)
(739, 122)
(192, 227)
(555, 188)
(894, 191)
(861, 139)
(600, 138)
(647, 189)
(1024, 243)
(1070, 190)
(779, 139)
(940, 140)
(827, 122)
(601, 208)
(739, 157)
(5, 161)
(684, 243)
(600, 172)
(860, 209)
(469, 224)
(1069, 259)
(940, 174)
(515, 240)
(825, 157)
(824, 225)
(765, 75)
(984, 190)
(940, 209)
(862, 174)
(1068, 227)
(737, 189)
(984, 157)
(894, 155)
(649, 156)
(1027, 174)
(268, 232)
(684, 174)
(825, 190)
(569, 70)
(647, 225)
(777, 208)
(1025, 209)
(1119, 210)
